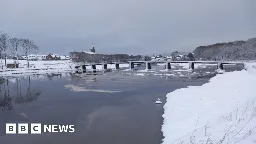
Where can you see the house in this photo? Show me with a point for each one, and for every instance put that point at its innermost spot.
(33, 57)
(158, 58)
(179, 57)
(30, 57)
(52, 57)
(41, 57)
(44, 57)
(168, 57)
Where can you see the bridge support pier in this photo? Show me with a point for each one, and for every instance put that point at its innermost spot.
(220, 66)
(243, 65)
(131, 65)
(117, 66)
(148, 66)
(83, 68)
(94, 68)
(168, 66)
(77, 69)
(104, 66)
(192, 65)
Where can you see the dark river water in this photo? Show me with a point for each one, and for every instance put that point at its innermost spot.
(110, 108)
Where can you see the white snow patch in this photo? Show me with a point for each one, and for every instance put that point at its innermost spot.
(146, 70)
(124, 65)
(221, 111)
(156, 74)
(140, 74)
(165, 70)
(158, 101)
(220, 71)
(161, 64)
(184, 65)
(198, 65)
(83, 89)
(170, 74)
(186, 70)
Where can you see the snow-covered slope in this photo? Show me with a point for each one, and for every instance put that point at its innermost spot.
(221, 111)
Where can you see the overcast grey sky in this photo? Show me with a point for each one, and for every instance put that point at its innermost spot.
(128, 26)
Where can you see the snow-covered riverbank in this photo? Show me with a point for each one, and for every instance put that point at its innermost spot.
(46, 67)
(37, 67)
(41, 64)
(221, 111)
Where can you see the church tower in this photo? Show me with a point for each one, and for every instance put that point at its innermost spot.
(93, 48)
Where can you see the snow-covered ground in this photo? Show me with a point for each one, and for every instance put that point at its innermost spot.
(41, 64)
(37, 67)
(46, 67)
(219, 112)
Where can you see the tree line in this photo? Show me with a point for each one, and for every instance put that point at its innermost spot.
(15, 47)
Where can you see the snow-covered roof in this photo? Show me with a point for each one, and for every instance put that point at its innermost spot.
(54, 55)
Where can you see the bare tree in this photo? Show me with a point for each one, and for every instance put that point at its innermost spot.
(4, 40)
(28, 47)
(15, 43)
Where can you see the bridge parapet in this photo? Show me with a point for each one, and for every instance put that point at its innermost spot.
(219, 64)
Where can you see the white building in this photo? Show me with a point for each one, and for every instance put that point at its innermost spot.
(41, 57)
(157, 58)
(35, 57)
(30, 57)
(169, 57)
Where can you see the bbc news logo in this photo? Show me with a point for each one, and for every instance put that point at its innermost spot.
(37, 128)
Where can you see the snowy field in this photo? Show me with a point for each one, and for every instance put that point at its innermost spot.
(220, 112)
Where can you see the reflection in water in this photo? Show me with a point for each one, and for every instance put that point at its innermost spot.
(5, 99)
(30, 96)
(16, 96)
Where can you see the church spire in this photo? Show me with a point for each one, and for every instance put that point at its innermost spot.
(93, 49)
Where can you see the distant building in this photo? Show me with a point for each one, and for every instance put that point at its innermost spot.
(41, 57)
(92, 50)
(158, 58)
(30, 57)
(179, 57)
(52, 57)
(44, 57)
(168, 57)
